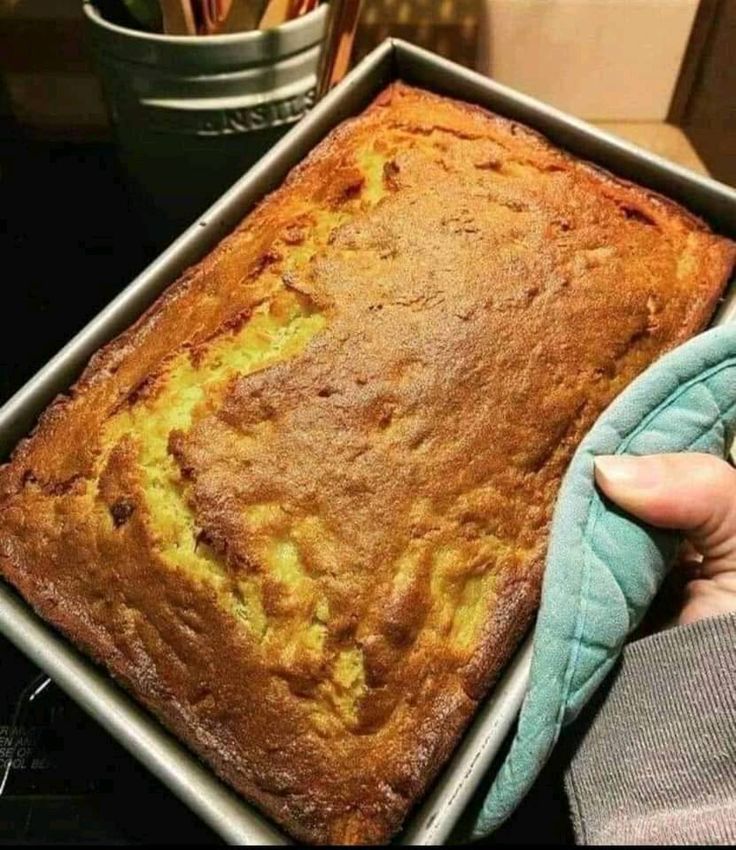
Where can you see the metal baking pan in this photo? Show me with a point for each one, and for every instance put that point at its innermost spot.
(186, 776)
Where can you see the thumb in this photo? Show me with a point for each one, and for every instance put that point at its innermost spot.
(695, 493)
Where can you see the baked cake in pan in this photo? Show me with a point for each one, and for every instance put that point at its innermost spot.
(300, 508)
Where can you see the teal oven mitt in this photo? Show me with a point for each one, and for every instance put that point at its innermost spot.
(603, 568)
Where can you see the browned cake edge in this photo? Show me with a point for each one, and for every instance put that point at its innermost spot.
(520, 599)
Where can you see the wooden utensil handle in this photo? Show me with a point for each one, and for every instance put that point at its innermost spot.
(301, 7)
(275, 13)
(178, 17)
(342, 22)
(214, 14)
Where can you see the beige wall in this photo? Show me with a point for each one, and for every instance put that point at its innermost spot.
(599, 59)
(614, 60)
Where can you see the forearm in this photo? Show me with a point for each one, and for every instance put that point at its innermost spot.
(657, 765)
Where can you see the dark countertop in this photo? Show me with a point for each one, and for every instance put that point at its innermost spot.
(69, 243)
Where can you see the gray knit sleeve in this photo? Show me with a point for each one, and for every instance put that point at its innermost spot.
(657, 764)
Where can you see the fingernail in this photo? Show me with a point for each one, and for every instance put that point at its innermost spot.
(626, 470)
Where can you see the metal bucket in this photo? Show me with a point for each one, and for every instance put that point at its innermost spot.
(191, 114)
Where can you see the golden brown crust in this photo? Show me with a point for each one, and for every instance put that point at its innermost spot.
(300, 508)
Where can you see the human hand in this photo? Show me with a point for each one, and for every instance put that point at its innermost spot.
(695, 493)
